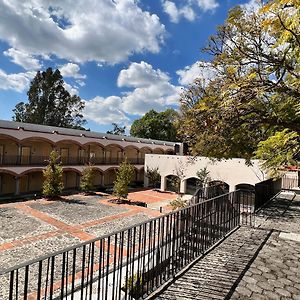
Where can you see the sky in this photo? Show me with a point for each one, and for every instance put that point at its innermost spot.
(122, 57)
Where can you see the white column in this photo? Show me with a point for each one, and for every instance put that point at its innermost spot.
(183, 186)
(163, 183)
(146, 180)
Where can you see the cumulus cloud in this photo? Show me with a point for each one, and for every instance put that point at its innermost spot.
(16, 81)
(188, 9)
(176, 13)
(140, 75)
(71, 70)
(73, 90)
(102, 31)
(105, 110)
(151, 89)
(23, 59)
(198, 70)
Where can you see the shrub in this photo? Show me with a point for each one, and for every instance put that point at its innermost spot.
(124, 177)
(178, 203)
(153, 176)
(53, 177)
(87, 178)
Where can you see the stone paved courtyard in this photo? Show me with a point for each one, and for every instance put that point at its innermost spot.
(262, 262)
(32, 229)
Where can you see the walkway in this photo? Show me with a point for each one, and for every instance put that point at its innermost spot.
(262, 262)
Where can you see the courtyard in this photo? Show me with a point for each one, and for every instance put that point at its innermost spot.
(36, 228)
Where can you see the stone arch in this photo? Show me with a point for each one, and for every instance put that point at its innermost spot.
(7, 182)
(216, 188)
(71, 178)
(31, 181)
(172, 183)
(192, 185)
(110, 176)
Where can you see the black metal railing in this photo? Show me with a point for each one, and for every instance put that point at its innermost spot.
(131, 263)
(290, 182)
(35, 160)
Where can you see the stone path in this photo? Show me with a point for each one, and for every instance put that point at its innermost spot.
(252, 263)
(36, 228)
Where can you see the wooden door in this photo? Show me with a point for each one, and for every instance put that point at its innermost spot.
(64, 155)
(25, 155)
(1, 154)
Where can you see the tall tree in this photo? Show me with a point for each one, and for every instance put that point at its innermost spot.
(250, 107)
(155, 125)
(49, 103)
(117, 129)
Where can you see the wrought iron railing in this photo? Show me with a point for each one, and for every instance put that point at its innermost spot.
(35, 160)
(131, 263)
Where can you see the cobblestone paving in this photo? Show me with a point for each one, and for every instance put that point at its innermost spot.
(253, 263)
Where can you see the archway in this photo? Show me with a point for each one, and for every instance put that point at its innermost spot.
(173, 183)
(216, 188)
(7, 184)
(110, 176)
(247, 194)
(192, 185)
(71, 179)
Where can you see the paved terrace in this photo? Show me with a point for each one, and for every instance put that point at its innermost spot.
(35, 228)
(262, 262)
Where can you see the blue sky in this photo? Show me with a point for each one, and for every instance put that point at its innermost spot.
(122, 57)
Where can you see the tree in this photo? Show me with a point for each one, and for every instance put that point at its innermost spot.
(49, 103)
(117, 129)
(124, 177)
(86, 181)
(203, 176)
(155, 125)
(250, 106)
(53, 177)
(154, 176)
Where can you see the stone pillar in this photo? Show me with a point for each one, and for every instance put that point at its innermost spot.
(231, 188)
(163, 183)
(17, 190)
(182, 188)
(146, 180)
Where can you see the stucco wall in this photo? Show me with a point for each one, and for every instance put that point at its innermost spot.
(232, 171)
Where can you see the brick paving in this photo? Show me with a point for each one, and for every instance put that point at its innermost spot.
(36, 228)
(262, 262)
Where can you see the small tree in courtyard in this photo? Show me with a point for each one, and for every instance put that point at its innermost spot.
(87, 178)
(53, 177)
(124, 177)
(154, 176)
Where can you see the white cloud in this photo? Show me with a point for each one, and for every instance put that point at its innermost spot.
(140, 75)
(105, 110)
(176, 13)
(71, 70)
(102, 31)
(17, 81)
(188, 9)
(73, 90)
(199, 70)
(151, 90)
(207, 5)
(23, 59)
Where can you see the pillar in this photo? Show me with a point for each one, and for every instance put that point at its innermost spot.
(163, 183)
(17, 190)
(182, 188)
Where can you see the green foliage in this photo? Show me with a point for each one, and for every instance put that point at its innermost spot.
(178, 203)
(174, 183)
(134, 286)
(125, 175)
(49, 103)
(203, 176)
(279, 150)
(155, 125)
(86, 181)
(153, 176)
(254, 89)
(117, 129)
(53, 177)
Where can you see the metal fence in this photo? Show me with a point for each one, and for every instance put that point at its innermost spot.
(132, 263)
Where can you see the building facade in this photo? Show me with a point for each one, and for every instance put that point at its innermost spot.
(233, 173)
(25, 149)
